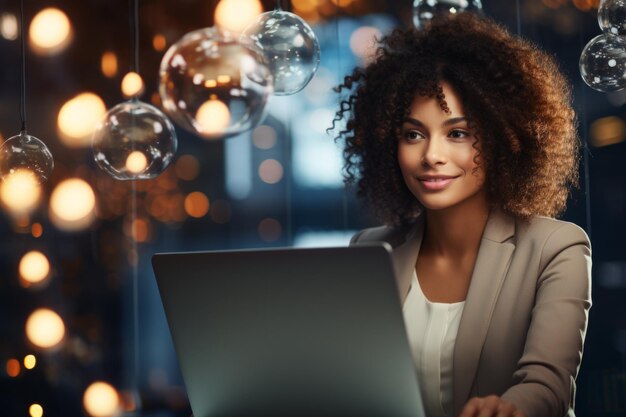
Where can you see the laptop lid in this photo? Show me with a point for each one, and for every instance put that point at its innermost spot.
(289, 332)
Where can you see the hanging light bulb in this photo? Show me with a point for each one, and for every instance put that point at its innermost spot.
(25, 152)
(425, 10)
(208, 74)
(288, 45)
(134, 141)
(603, 63)
(612, 17)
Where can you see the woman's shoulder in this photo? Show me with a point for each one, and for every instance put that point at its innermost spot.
(550, 230)
(554, 241)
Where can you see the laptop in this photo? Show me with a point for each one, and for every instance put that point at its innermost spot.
(289, 332)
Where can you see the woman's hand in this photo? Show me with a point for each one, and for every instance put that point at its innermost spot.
(491, 406)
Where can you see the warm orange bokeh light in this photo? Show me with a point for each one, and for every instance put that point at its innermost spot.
(187, 167)
(50, 31)
(108, 64)
(159, 42)
(136, 162)
(236, 15)
(45, 328)
(132, 85)
(34, 267)
(196, 204)
(35, 410)
(20, 192)
(30, 361)
(101, 400)
(36, 230)
(13, 368)
(78, 118)
(213, 117)
(72, 205)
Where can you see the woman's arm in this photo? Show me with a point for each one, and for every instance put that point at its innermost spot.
(545, 378)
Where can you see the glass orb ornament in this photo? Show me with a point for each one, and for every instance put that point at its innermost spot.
(425, 10)
(612, 16)
(213, 85)
(134, 141)
(26, 152)
(603, 63)
(289, 46)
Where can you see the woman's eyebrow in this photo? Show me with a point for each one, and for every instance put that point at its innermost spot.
(413, 121)
(455, 120)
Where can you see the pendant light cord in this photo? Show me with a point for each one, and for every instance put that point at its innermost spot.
(23, 87)
(134, 34)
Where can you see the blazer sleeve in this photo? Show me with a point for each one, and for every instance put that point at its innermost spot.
(545, 377)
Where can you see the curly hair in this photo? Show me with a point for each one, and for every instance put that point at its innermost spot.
(516, 99)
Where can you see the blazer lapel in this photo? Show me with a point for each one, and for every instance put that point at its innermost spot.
(405, 256)
(492, 263)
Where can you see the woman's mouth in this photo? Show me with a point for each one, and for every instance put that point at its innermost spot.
(435, 183)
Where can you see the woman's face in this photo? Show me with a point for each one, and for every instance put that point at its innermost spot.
(436, 155)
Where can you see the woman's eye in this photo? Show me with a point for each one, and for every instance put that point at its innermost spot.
(412, 135)
(459, 134)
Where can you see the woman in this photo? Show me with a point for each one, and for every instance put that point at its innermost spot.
(463, 140)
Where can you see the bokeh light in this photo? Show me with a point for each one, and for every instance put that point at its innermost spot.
(132, 85)
(13, 367)
(187, 167)
(36, 230)
(138, 229)
(212, 117)
(269, 229)
(264, 137)
(196, 204)
(30, 361)
(50, 31)
(363, 43)
(608, 131)
(235, 15)
(35, 410)
(271, 171)
(8, 26)
(78, 118)
(34, 267)
(108, 64)
(45, 328)
(101, 400)
(20, 192)
(159, 43)
(72, 205)
(136, 162)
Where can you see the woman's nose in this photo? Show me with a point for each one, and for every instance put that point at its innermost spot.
(434, 152)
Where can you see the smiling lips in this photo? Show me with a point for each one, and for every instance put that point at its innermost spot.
(438, 182)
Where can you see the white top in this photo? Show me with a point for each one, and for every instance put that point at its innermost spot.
(432, 329)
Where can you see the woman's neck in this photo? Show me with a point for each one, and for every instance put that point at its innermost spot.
(455, 232)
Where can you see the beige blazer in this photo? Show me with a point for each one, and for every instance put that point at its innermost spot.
(525, 316)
